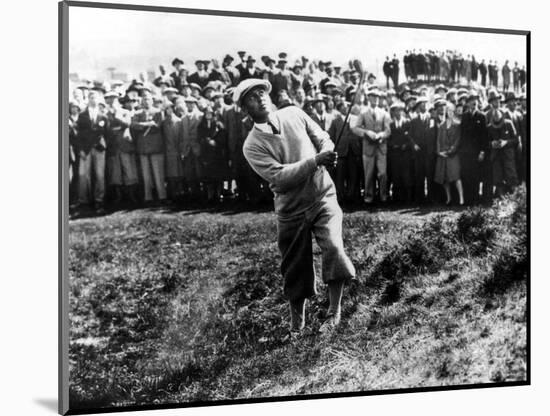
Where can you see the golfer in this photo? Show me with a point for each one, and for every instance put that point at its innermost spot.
(290, 151)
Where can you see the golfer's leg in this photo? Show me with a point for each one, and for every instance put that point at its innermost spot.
(295, 245)
(336, 265)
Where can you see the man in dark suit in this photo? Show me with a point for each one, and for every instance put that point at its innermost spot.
(387, 68)
(177, 63)
(422, 162)
(399, 155)
(250, 71)
(91, 144)
(200, 77)
(483, 72)
(348, 168)
(473, 148)
(282, 79)
(515, 77)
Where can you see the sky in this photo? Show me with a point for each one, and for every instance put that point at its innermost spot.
(134, 41)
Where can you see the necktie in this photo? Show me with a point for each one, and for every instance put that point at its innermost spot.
(275, 129)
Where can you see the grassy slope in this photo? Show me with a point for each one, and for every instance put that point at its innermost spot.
(173, 307)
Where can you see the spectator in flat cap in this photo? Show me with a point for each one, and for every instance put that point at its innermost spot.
(91, 144)
(373, 126)
(200, 76)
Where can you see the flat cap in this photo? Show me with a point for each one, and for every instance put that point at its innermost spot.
(245, 86)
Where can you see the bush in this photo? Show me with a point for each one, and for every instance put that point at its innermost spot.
(475, 230)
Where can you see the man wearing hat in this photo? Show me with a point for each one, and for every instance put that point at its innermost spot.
(473, 148)
(150, 148)
(91, 144)
(503, 142)
(177, 63)
(512, 113)
(399, 155)
(296, 77)
(121, 152)
(241, 65)
(320, 115)
(387, 69)
(348, 168)
(282, 79)
(232, 72)
(292, 153)
(250, 70)
(190, 147)
(200, 76)
(423, 151)
(395, 71)
(373, 126)
(270, 69)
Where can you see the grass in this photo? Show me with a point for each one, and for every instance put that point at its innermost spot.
(177, 307)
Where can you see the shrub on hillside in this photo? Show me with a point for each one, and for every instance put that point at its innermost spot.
(476, 230)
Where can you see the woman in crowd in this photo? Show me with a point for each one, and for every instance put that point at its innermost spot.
(447, 166)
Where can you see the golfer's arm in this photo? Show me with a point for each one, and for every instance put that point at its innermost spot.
(319, 137)
(282, 176)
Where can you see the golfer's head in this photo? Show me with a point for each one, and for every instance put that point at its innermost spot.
(253, 97)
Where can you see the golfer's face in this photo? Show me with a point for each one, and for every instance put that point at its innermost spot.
(257, 102)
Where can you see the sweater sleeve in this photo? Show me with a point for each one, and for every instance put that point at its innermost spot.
(318, 136)
(282, 176)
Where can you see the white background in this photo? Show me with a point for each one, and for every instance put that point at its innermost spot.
(28, 172)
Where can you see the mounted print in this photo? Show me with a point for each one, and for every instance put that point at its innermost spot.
(266, 207)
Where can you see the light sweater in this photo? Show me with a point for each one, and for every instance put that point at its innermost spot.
(287, 160)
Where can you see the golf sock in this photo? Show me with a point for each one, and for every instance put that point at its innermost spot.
(297, 314)
(335, 292)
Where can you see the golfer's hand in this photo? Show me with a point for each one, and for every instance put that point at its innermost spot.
(327, 158)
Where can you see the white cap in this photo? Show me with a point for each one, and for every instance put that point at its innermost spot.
(245, 86)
